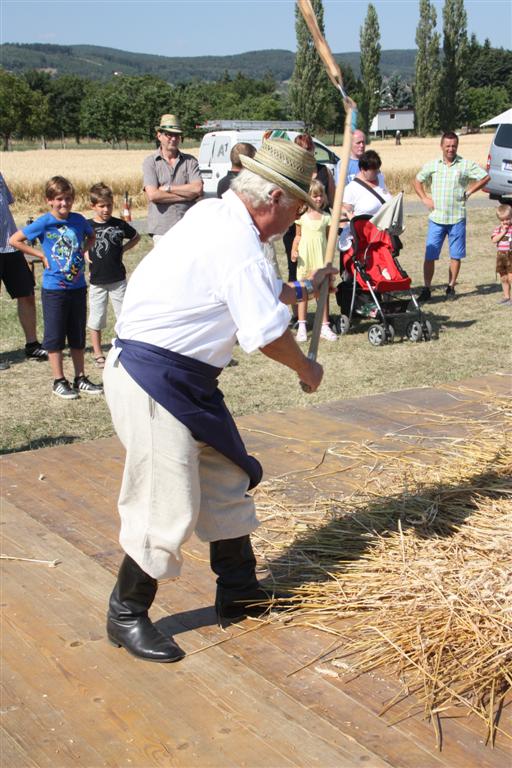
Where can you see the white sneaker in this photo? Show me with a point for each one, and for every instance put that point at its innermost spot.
(302, 334)
(327, 334)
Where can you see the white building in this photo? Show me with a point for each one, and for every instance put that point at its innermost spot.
(392, 120)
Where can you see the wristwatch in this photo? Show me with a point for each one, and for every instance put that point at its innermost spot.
(168, 188)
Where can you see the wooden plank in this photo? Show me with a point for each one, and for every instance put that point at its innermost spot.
(231, 714)
(13, 754)
(354, 707)
(308, 708)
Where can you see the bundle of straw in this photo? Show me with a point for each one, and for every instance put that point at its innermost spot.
(420, 558)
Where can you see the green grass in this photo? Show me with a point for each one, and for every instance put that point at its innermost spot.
(472, 338)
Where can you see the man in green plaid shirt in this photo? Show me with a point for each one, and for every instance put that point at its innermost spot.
(450, 179)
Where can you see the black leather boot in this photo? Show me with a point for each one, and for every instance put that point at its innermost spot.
(128, 623)
(239, 593)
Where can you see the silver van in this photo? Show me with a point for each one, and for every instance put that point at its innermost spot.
(499, 163)
(215, 149)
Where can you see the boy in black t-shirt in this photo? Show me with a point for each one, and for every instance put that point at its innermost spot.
(107, 274)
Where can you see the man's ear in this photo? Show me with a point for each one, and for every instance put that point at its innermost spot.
(276, 195)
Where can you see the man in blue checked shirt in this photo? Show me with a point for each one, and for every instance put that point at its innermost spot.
(450, 178)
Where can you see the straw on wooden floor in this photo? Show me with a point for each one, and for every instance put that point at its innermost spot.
(418, 557)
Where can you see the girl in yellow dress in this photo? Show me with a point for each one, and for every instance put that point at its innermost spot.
(308, 250)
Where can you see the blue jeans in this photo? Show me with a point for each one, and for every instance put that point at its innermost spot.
(436, 235)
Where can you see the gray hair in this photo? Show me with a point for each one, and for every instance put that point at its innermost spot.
(257, 190)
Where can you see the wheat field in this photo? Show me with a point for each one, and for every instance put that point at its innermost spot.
(26, 172)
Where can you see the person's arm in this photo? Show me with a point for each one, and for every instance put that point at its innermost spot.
(295, 245)
(499, 234)
(174, 193)
(420, 190)
(131, 243)
(90, 242)
(347, 211)
(19, 241)
(286, 351)
(288, 294)
(476, 186)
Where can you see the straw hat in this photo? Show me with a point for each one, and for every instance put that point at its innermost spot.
(169, 123)
(286, 164)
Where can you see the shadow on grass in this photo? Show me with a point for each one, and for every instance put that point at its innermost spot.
(42, 442)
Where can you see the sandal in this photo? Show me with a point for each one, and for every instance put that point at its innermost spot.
(99, 361)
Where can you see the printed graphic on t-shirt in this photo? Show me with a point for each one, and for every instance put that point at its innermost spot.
(65, 252)
(105, 239)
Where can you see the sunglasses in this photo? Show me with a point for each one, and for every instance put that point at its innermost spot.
(170, 134)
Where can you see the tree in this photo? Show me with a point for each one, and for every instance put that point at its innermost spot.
(396, 93)
(309, 85)
(484, 103)
(428, 71)
(16, 107)
(486, 66)
(334, 115)
(369, 45)
(452, 95)
(66, 95)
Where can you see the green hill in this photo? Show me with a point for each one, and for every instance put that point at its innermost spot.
(98, 63)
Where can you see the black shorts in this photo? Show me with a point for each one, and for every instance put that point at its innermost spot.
(15, 274)
(64, 314)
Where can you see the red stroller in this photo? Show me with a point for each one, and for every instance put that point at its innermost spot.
(371, 276)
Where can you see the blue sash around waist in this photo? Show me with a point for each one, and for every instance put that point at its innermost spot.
(188, 389)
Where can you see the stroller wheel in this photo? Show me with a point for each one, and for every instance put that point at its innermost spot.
(414, 331)
(342, 325)
(427, 330)
(377, 334)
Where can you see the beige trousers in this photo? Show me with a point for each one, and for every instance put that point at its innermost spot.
(172, 484)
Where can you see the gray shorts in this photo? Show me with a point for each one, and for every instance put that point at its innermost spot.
(98, 303)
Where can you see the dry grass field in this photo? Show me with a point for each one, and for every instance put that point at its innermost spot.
(27, 171)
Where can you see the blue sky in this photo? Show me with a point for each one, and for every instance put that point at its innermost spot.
(222, 27)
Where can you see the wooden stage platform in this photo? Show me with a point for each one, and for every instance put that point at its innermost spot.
(71, 699)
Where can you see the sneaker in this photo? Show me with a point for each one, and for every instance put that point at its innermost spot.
(504, 302)
(450, 292)
(302, 334)
(62, 388)
(82, 384)
(425, 294)
(327, 334)
(34, 351)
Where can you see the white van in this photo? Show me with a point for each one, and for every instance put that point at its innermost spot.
(499, 164)
(216, 145)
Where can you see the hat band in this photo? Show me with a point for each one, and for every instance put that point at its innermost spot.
(304, 187)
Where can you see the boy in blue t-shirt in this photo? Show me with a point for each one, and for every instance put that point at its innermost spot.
(62, 235)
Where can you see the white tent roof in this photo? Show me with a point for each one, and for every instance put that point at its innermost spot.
(505, 117)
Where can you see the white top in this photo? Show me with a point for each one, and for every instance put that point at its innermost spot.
(204, 285)
(363, 201)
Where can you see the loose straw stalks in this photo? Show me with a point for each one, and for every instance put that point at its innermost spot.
(419, 558)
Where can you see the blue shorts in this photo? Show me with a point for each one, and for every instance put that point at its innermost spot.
(456, 239)
(64, 314)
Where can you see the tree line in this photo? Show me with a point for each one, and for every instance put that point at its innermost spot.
(457, 82)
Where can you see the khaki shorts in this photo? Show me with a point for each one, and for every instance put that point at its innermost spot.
(504, 263)
(173, 485)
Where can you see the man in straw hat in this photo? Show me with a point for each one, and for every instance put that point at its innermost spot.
(172, 181)
(205, 285)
